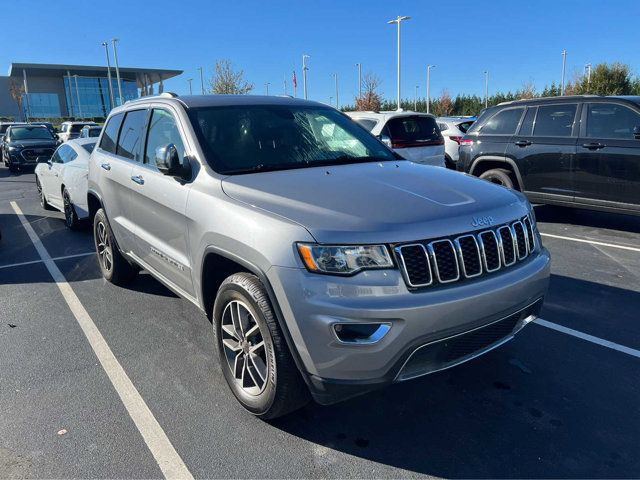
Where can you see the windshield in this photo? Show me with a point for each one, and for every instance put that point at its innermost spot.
(30, 133)
(76, 128)
(241, 139)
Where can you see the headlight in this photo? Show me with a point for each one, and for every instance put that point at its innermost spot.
(344, 260)
(14, 148)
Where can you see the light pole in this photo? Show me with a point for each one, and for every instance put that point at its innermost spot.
(486, 88)
(115, 59)
(190, 86)
(335, 76)
(587, 67)
(75, 77)
(330, 100)
(266, 87)
(398, 21)
(304, 75)
(201, 80)
(106, 51)
(415, 99)
(564, 63)
(359, 65)
(284, 84)
(429, 67)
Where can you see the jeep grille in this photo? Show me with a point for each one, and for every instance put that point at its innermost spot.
(473, 254)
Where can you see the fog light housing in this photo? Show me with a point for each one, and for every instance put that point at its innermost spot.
(361, 333)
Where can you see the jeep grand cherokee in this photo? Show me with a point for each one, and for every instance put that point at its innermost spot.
(328, 265)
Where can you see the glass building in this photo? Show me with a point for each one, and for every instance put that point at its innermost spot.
(74, 91)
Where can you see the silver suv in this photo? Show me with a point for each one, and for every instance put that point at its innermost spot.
(328, 265)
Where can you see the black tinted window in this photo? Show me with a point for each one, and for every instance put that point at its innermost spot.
(131, 134)
(503, 123)
(611, 121)
(554, 120)
(407, 130)
(527, 124)
(64, 154)
(162, 131)
(88, 146)
(366, 123)
(464, 126)
(110, 137)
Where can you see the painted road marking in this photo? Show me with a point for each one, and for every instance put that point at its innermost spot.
(589, 338)
(154, 436)
(592, 242)
(55, 259)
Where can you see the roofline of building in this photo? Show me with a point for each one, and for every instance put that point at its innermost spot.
(15, 69)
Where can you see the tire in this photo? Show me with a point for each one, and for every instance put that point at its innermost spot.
(448, 163)
(258, 366)
(499, 176)
(114, 267)
(71, 219)
(43, 199)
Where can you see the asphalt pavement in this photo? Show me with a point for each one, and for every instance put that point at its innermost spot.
(554, 402)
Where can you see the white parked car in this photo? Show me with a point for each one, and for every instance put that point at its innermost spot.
(453, 129)
(62, 181)
(415, 136)
(71, 130)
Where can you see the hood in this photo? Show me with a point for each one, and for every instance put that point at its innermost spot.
(383, 202)
(36, 143)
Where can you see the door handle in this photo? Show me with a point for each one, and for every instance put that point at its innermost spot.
(593, 145)
(523, 143)
(106, 166)
(138, 179)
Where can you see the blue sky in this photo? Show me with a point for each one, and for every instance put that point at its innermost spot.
(517, 41)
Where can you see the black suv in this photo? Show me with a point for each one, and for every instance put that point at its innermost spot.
(581, 151)
(23, 144)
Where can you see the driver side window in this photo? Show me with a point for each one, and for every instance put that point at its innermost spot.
(162, 131)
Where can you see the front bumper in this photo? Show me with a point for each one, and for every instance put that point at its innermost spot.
(423, 323)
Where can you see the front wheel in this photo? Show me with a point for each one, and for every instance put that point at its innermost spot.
(114, 267)
(499, 176)
(254, 356)
(43, 199)
(71, 219)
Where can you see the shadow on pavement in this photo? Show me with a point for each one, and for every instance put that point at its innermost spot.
(544, 405)
(587, 218)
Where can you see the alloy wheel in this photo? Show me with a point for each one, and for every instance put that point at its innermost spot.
(68, 209)
(103, 241)
(244, 348)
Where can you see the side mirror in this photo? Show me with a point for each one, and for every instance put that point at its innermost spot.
(636, 132)
(385, 139)
(43, 159)
(168, 160)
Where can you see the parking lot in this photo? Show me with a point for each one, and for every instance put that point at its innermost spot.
(561, 400)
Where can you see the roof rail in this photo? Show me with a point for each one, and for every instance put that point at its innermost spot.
(147, 97)
(169, 94)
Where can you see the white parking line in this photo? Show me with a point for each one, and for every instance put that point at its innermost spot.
(589, 338)
(156, 439)
(592, 242)
(55, 259)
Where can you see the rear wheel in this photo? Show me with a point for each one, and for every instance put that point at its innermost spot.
(71, 219)
(254, 356)
(114, 267)
(499, 176)
(43, 199)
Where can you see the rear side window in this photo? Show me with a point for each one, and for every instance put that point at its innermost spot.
(130, 136)
(555, 120)
(464, 126)
(88, 146)
(410, 130)
(443, 127)
(162, 131)
(366, 123)
(611, 121)
(110, 137)
(503, 123)
(64, 154)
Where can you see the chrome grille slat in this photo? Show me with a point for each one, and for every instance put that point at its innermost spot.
(448, 260)
(442, 260)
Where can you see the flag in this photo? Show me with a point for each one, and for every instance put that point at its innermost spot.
(295, 82)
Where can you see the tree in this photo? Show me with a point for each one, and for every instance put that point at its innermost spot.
(606, 79)
(227, 80)
(527, 91)
(371, 99)
(17, 93)
(443, 106)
